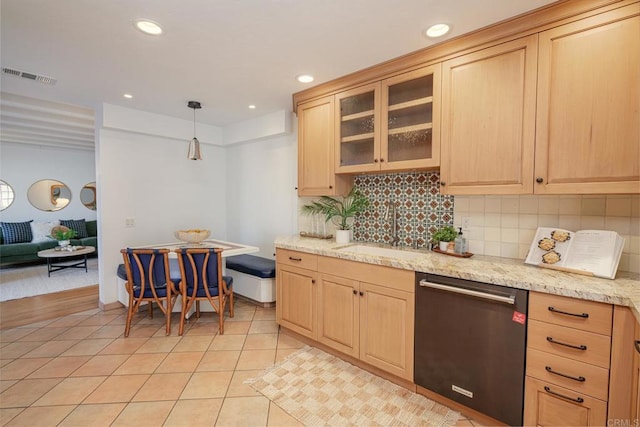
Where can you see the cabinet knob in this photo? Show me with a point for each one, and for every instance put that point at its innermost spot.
(375, 160)
(313, 281)
(330, 187)
(442, 183)
(539, 180)
(361, 293)
(355, 292)
(381, 160)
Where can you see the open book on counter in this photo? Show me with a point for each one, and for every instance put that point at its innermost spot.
(590, 252)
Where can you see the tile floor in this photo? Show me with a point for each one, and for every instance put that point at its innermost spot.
(79, 370)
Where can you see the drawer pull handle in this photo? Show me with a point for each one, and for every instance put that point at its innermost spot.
(551, 371)
(295, 259)
(573, 399)
(637, 344)
(583, 315)
(577, 347)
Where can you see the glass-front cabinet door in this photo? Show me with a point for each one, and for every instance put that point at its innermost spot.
(410, 120)
(358, 129)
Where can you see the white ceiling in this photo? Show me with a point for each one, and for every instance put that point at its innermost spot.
(226, 54)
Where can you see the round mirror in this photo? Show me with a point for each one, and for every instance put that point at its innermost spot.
(49, 195)
(88, 196)
(6, 195)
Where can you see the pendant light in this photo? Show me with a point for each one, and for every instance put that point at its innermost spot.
(194, 145)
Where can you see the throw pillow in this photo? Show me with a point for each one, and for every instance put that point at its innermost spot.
(16, 232)
(41, 230)
(77, 225)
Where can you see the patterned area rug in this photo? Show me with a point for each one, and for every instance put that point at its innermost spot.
(21, 282)
(319, 389)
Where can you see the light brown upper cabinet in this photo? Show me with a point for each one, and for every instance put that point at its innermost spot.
(488, 120)
(316, 175)
(588, 114)
(390, 125)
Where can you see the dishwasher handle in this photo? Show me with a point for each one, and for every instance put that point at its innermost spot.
(499, 298)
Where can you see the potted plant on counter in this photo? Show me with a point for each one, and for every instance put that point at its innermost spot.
(444, 237)
(339, 211)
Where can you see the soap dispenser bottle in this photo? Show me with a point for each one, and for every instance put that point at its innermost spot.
(460, 243)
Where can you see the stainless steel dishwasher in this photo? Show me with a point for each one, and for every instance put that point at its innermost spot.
(470, 344)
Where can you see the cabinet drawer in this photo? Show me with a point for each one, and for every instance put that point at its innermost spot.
(585, 315)
(578, 376)
(297, 259)
(546, 404)
(578, 345)
(389, 277)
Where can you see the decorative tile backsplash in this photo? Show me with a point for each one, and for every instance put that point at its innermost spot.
(420, 208)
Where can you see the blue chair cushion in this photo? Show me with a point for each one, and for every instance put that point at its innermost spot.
(174, 271)
(213, 290)
(253, 265)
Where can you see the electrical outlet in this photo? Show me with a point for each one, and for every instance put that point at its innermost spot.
(466, 222)
(130, 222)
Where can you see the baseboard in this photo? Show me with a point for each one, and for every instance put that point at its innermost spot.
(110, 306)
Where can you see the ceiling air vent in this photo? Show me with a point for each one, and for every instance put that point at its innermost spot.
(30, 76)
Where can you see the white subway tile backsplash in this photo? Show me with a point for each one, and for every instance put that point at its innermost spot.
(508, 223)
(620, 225)
(592, 223)
(492, 248)
(509, 220)
(593, 206)
(509, 250)
(492, 220)
(492, 204)
(570, 206)
(618, 206)
(510, 205)
(569, 222)
(528, 205)
(492, 234)
(528, 221)
(549, 205)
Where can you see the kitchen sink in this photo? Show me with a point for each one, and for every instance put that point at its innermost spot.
(378, 251)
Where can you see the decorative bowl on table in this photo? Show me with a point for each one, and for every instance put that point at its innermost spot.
(194, 235)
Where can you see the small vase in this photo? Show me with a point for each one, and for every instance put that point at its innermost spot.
(443, 246)
(64, 243)
(343, 236)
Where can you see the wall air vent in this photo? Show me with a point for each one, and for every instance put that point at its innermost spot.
(30, 76)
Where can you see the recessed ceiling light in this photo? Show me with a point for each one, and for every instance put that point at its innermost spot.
(252, 107)
(305, 78)
(148, 27)
(128, 95)
(437, 30)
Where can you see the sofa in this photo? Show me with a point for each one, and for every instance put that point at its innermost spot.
(24, 252)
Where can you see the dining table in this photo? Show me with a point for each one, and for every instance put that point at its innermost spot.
(229, 249)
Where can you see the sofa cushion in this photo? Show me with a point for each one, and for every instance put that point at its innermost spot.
(19, 249)
(77, 225)
(41, 230)
(16, 232)
(92, 228)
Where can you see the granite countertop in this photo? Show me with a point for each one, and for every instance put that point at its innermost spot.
(624, 290)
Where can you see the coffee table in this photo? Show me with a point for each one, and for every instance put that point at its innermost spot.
(53, 254)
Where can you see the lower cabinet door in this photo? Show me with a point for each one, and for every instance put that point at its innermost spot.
(386, 329)
(546, 404)
(338, 313)
(296, 296)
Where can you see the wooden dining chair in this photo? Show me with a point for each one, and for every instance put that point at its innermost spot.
(149, 280)
(201, 279)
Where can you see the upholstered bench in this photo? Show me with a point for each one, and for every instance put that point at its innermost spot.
(253, 278)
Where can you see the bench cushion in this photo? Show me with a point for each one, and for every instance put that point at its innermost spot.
(252, 265)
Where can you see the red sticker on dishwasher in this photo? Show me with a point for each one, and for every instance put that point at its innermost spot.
(519, 317)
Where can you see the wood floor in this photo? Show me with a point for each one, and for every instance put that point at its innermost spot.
(44, 307)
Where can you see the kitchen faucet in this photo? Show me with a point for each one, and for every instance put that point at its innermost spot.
(391, 207)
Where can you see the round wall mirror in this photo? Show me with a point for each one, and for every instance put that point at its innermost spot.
(49, 195)
(88, 196)
(7, 195)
